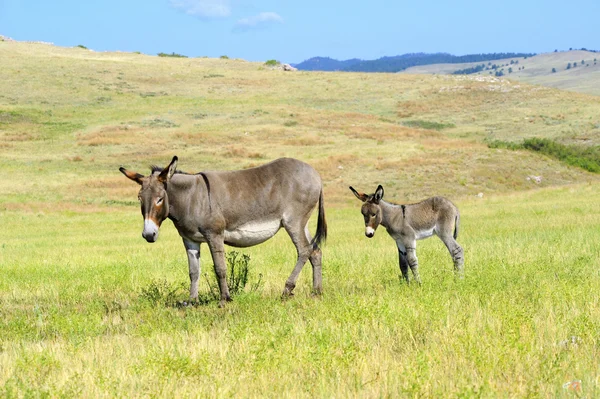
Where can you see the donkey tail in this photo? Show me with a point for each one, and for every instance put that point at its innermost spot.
(456, 225)
(321, 234)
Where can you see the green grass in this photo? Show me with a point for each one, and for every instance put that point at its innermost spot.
(76, 319)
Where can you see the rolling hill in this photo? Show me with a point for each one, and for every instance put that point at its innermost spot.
(71, 116)
(583, 75)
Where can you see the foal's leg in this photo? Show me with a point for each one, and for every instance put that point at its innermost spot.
(193, 255)
(456, 252)
(298, 235)
(411, 258)
(403, 262)
(217, 250)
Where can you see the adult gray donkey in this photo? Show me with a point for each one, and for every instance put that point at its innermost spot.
(239, 208)
(408, 223)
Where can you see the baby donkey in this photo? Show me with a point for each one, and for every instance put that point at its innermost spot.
(409, 223)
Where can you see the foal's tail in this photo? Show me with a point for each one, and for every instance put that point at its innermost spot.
(456, 224)
(321, 234)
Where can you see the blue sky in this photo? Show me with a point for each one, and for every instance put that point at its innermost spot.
(292, 31)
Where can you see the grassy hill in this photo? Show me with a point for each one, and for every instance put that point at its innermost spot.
(76, 113)
(584, 77)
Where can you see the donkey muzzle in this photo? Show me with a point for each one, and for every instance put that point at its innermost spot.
(150, 232)
(369, 231)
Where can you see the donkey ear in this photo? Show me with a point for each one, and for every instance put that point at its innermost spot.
(378, 194)
(169, 171)
(136, 177)
(361, 196)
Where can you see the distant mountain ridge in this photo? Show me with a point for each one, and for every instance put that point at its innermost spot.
(326, 64)
(400, 62)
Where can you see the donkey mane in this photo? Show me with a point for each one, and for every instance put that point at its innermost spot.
(159, 169)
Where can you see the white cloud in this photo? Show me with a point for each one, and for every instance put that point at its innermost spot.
(257, 21)
(203, 8)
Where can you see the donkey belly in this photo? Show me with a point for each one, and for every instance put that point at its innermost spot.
(426, 233)
(250, 234)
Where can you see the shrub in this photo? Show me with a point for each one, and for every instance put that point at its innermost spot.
(175, 55)
(224, 57)
(82, 46)
(428, 125)
(272, 63)
(587, 157)
(237, 275)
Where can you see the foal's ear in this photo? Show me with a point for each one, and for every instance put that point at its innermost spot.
(378, 194)
(169, 171)
(361, 196)
(136, 177)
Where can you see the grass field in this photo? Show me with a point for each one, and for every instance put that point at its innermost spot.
(83, 298)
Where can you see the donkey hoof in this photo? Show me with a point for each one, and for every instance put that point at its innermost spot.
(286, 294)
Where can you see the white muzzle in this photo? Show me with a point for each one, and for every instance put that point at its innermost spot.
(150, 232)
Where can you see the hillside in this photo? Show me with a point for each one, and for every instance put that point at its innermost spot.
(69, 117)
(581, 77)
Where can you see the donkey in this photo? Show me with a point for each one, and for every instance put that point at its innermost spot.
(409, 223)
(238, 208)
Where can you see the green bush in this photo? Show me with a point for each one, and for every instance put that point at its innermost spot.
(175, 55)
(224, 57)
(587, 157)
(428, 125)
(272, 63)
(584, 157)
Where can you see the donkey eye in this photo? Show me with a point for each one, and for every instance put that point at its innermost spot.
(159, 201)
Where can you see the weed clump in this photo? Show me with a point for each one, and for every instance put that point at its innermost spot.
(238, 271)
(161, 292)
(164, 293)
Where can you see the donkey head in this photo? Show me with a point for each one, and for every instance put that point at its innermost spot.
(370, 209)
(153, 198)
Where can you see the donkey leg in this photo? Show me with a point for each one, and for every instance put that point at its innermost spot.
(193, 255)
(403, 262)
(413, 262)
(217, 250)
(457, 254)
(304, 249)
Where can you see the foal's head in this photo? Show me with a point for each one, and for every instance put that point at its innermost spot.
(153, 198)
(370, 209)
